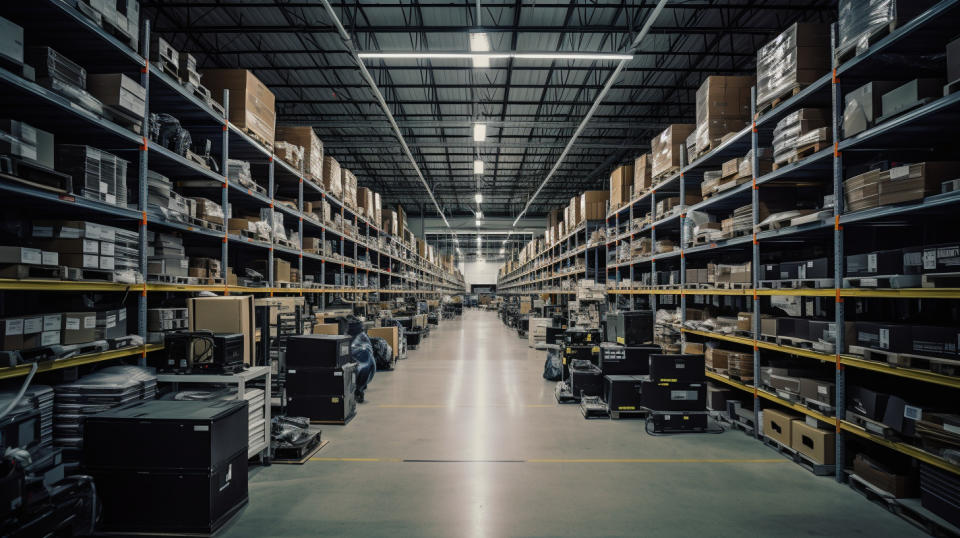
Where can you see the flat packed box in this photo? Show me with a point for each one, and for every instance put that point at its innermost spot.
(306, 137)
(118, 91)
(914, 182)
(862, 107)
(593, 205)
(642, 177)
(941, 258)
(910, 95)
(723, 106)
(795, 58)
(818, 390)
(899, 485)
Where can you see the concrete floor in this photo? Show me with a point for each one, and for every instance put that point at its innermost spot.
(465, 438)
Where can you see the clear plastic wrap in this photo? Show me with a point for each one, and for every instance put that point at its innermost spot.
(349, 181)
(798, 129)
(291, 153)
(859, 19)
(332, 180)
(277, 225)
(239, 172)
(723, 106)
(665, 148)
(796, 57)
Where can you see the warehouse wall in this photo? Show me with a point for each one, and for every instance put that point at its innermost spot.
(481, 272)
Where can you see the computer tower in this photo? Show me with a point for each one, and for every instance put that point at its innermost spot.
(166, 434)
(677, 368)
(678, 396)
(172, 501)
(623, 392)
(622, 360)
(317, 351)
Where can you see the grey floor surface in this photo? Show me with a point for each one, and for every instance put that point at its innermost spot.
(465, 438)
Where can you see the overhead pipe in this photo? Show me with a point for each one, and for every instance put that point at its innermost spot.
(596, 104)
(348, 42)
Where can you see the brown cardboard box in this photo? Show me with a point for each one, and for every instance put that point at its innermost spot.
(311, 244)
(723, 106)
(666, 147)
(914, 182)
(863, 191)
(305, 136)
(281, 270)
(208, 210)
(778, 425)
(798, 56)
(200, 272)
(715, 358)
(332, 177)
(327, 328)
(231, 277)
(365, 201)
(576, 213)
(78, 327)
(349, 188)
(745, 321)
(899, 485)
(390, 224)
(233, 314)
(377, 208)
(692, 348)
(252, 104)
(240, 224)
(730, 168)
(71, 246)
(817, 390)
(118, 91)
(390, 334)
(642, 178)
(818, 445)
(621, 180)
(593, 205)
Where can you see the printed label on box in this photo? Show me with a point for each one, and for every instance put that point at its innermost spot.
(13, 327)
(50, 338)
(31, 255)
(930, 259)
(871, 263)
(90, 322)
(884, 338)
(822, 390)
(43, 231)
(32, 325)
(912, 412)
(51, 322)
(72, 324)
(683, 395)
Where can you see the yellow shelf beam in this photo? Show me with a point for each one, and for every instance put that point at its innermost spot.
(24, 369)
(909, 373)
(902, 448)
(63, 285)
(772, 397)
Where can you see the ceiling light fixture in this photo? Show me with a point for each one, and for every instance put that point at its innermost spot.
(478, 197)
(478, 167)
(480, 42)
(479, 214)
(502, 251)
(480, 57)
(479, 132)
(479, 222)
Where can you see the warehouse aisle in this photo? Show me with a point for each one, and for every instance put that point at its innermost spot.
(465, 439)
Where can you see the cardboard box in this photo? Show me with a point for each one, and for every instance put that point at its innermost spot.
(332, 177)
(818, 390)
(914, 182)
(722, 106)
(365, 201)
(666, 147)
(642, 178)
(621, 182)
(692, 348)
(21, 255)
(326, 328)
(818, 445)
(349, 188)
(715, 358)
(82, 261)
(593, 205)
(862, 106)
(306, 137)
(118, 91)
(233, 314)
(797, 57)
(576, 213)
(390, 334)
(778, 425)
(78, 327)
(898, 485)
(252, 104)
(71, 246)
(730, 168)
(865, 402)
(281, 270)
(11, 334)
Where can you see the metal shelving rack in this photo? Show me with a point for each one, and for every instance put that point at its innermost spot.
(95, 49)
(928, 32)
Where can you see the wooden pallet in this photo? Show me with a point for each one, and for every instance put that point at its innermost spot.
(941, 280)
(863, 42)
(664, 175)
(801, 459)
(33, 272)
(259, 139)
(733, 285)
(75, 273)
(209, 281)
(790, 341)
(909, 509)
(170, 279)
(909, 360)
(883, 281)
(801, 283)
(592, 407)
(200, 223)
(777, 101)
(741, 377)
(299, 456)
(803, 153)
(563, 394)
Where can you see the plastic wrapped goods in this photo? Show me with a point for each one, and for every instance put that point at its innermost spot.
(857, 20)
(723, 106)
(795, 58)
(666, 147)
(797, 130)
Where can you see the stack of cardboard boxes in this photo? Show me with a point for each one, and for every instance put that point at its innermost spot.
(723, 107)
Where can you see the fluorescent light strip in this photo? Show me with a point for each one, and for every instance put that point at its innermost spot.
(481, 56)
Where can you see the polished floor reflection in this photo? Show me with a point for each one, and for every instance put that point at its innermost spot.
(465, 438)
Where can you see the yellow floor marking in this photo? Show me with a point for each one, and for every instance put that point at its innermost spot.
(618, 460)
